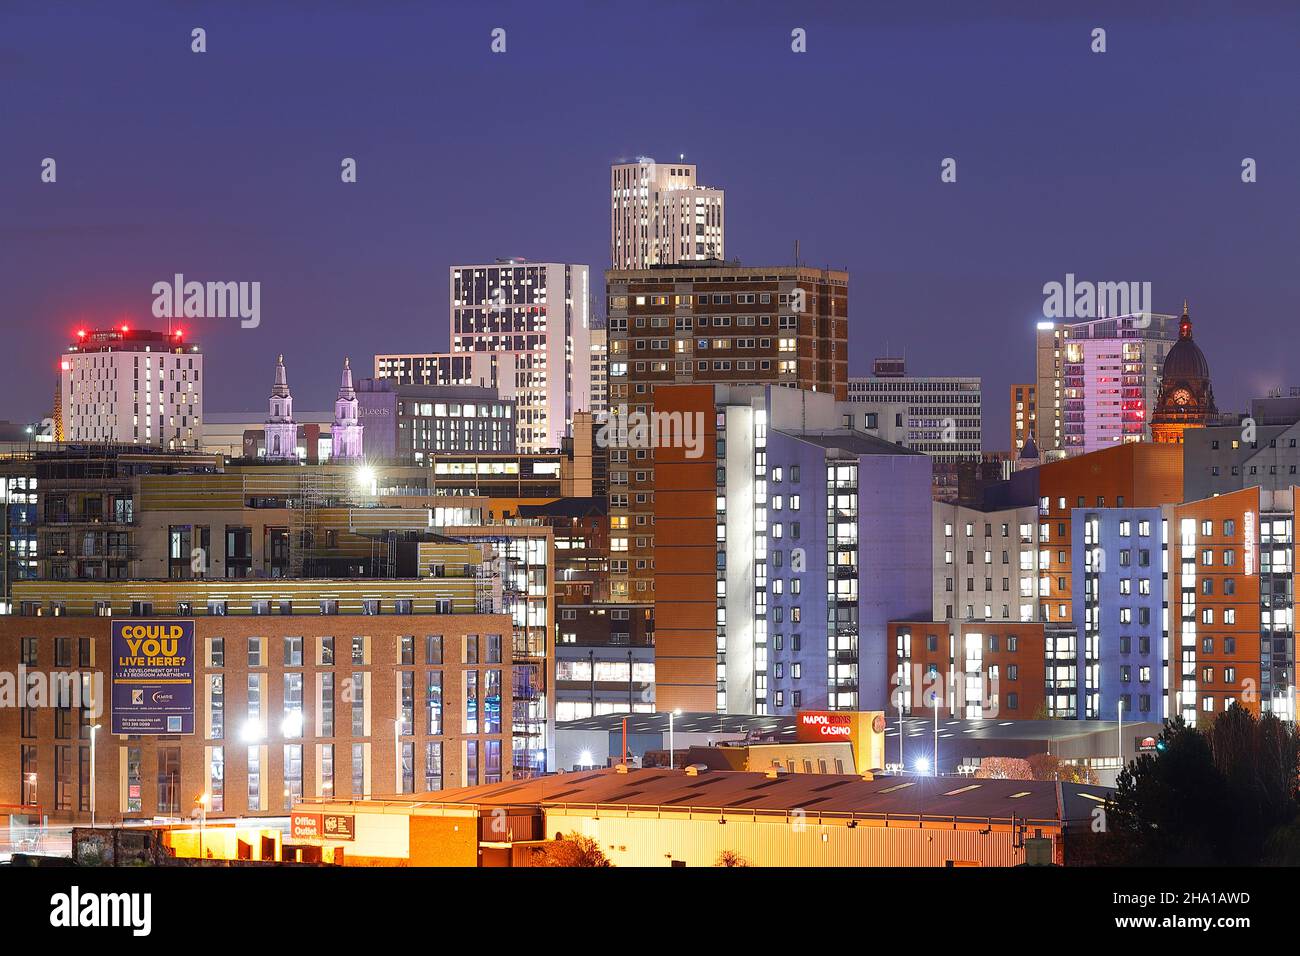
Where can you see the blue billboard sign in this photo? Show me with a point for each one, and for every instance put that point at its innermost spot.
(153, 676)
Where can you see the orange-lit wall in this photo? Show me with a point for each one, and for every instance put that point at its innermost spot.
(1236, 675)
(685, 558)
(1028, 658)
(221, 843)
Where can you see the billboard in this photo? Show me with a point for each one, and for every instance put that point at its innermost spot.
(824, 725)
(864, 729)
(304, 825)
(323, 826)
(153, 676)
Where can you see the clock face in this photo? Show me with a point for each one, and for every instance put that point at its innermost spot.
(1181, 397)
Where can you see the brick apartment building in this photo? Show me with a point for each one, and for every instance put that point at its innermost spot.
(709, 322)
(979, 669)
(320, 688)
(1232, 560)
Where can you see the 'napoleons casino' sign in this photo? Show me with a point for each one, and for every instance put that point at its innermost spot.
(153, 676)
(823, 725)
(864, 729)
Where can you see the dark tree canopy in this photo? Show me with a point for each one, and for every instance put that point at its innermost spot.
(1221, 795)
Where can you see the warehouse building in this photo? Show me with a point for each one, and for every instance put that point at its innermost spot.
(691, 817)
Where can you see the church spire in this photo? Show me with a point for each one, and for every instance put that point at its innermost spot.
(345, 384)
(346, 430)
(280, 433)
(281, 384)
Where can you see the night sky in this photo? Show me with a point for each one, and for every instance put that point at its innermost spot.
(225, 166)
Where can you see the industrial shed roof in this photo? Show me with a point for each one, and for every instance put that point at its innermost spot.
(813, 794)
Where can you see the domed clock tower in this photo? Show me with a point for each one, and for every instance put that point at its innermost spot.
(1186, 398)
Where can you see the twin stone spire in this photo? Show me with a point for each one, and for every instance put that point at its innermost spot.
(281, 431)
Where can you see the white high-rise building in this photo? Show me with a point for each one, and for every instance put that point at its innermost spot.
(940, 415)
(985, 563)
(660, 216)
(599, 371)
(132, 387)
(1098, 380)
(538, 312)
(484, 369)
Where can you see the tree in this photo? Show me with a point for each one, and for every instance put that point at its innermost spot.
(1259, 758)
(1224, 794)
(1004, 768)
(731, 858)
(1037, 767)
(575, 850)
(1049, 767)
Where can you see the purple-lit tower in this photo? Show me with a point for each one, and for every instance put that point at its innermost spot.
(346, 430)
(280, 430)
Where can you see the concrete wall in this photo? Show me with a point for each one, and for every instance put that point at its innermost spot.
(895, 512)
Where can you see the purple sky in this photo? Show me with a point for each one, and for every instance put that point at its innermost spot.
(225, 166)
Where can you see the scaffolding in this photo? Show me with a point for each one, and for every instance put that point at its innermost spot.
(486, 588)
(310, 490)
(518, 565)
(303, 524)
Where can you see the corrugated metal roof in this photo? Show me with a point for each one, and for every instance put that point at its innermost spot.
(962, 797)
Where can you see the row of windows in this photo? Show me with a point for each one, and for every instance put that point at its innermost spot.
(292, 650)
(994, 643)
(369, 607)
(360, 650)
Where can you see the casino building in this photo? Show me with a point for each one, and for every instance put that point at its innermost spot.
(343, 689)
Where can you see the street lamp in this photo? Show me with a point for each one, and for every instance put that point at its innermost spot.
(1121, 733)
(94, 729)
(902, 766)
(397, 751)
(671, 741)
(202, 800)
(935, 698)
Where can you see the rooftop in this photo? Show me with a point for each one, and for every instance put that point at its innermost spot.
(842, 795)
(566, 508)
(853, 442)
(730, 267)
(125, 338)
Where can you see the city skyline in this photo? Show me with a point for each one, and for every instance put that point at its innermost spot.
(250, 190)
(571, 435)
